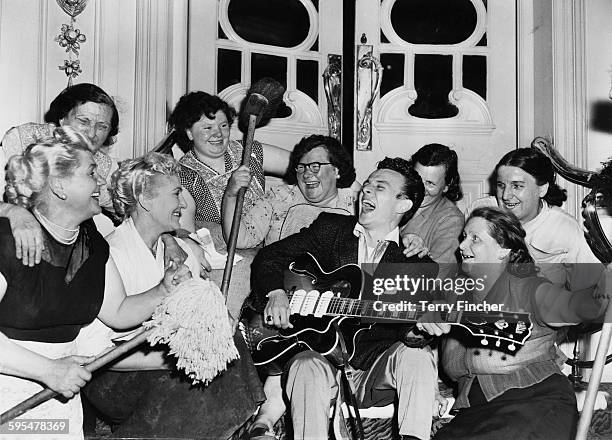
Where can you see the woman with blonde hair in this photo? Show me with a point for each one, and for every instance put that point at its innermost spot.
(42, 308)
(147, 193)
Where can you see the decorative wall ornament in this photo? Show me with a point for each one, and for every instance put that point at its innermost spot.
(71, 38)
(72, 69)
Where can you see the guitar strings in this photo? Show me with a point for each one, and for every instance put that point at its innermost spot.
(342, 304)
(345, 306)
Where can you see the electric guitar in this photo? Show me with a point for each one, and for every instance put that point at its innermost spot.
(315, 317)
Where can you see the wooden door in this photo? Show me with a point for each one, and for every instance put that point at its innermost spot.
(460, 52)
(233, 43)
(448, 77)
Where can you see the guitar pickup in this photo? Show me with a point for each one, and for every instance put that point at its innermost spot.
(323, 304)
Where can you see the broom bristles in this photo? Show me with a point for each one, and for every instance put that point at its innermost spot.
(255, 106)
(268, 88)
(194, 323)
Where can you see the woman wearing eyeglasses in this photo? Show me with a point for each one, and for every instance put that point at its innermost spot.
(318, 178)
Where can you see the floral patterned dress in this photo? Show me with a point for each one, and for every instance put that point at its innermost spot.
(207, 186)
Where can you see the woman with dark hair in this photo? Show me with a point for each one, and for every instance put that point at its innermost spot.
(526, 187)
(64, 110)
(85, 107)
(90, 110)
(201, 124)
(434, 155)
(523, 394)
(539, 167)
(438, 222)
(318, 179)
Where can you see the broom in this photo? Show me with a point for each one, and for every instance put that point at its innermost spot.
(205, 345)
(259, 106)
(193, 322)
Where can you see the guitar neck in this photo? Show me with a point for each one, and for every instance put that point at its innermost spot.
(508, 329)
(404, 312)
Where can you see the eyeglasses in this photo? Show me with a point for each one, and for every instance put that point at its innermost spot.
(84, 125)
(314, 167)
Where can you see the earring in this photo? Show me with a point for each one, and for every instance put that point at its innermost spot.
(62, 196)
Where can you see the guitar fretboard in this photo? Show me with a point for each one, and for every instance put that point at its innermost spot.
(505, 328)
(317, 304)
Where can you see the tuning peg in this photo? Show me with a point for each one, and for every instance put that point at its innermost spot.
(511, 347)
(484, 341)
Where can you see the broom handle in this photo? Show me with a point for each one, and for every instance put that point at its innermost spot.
(233, 237)
(598, 367)
(97, 363)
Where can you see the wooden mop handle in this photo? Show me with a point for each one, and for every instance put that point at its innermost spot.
(233, 237)
(97, 363)
(598, 367)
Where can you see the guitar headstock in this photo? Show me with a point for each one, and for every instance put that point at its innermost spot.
(504, 331)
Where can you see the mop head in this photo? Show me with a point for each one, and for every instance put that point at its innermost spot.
(194, 323)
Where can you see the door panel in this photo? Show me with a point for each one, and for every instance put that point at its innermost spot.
(236, 42)
(451, 87)
(471, 69)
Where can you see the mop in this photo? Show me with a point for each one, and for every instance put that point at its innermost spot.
(193, 321)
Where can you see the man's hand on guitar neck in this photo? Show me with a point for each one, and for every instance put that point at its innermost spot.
(277, 311)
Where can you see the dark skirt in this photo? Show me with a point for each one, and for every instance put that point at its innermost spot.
(544, 411)
(157, 404)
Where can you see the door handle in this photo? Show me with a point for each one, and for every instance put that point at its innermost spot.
(369, 78)
(332, 83)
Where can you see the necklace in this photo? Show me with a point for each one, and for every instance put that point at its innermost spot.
(61, 234)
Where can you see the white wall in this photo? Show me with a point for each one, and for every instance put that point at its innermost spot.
(133, 51)
(543, 74)
(136, 51)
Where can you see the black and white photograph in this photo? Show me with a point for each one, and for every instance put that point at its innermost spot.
(305, 219)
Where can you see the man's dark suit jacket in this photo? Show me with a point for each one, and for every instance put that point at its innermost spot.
(331, 241)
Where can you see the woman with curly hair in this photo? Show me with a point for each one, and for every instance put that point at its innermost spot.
(318, 179)
(201, 124)
(523, 394)
(44, 307)
(148, 195)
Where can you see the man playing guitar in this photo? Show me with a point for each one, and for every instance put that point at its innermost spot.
(384, 368)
